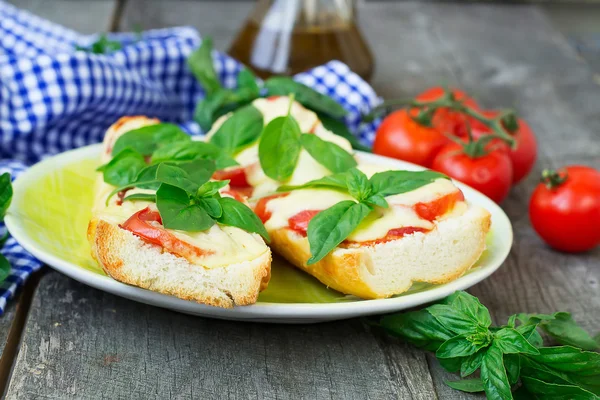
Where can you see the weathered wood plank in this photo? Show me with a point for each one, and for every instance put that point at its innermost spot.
(89, 16)
(83, 343)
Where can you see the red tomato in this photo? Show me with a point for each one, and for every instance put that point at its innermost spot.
(491, 174)
(523, 156)
(399, 136)
(300, 221)
(261, 206)
(139, 224)
(567, 216)
(430, 211)
(445, 120)
(236, 176)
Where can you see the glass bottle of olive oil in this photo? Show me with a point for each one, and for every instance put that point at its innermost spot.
(284, 37)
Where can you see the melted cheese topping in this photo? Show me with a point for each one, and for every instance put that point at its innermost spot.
(376, 226)
(307, 168)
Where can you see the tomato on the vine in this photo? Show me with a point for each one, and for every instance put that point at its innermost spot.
(565, 208)
(445, 120)
(400, 136)
(490, 172)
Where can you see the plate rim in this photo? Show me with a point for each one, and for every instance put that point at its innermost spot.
(268, 311)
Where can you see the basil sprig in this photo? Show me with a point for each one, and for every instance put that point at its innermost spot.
(147, 139)
(459, 330)
(282, 141)
(332, 226)
(238, 131)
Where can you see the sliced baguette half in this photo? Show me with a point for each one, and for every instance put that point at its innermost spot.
(128, 259)
(386, 269)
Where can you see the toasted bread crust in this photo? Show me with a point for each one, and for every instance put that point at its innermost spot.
(128, 259)
(349, 270)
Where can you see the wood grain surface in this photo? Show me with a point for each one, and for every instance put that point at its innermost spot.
(82, 343)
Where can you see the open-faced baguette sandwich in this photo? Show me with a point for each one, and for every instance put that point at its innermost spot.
(373, 234)
(159, 221)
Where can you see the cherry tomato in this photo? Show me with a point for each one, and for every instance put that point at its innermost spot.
(523, 156)
(567, 215)
(445, 120)
(236, 176)
(399, 136)
(491, 174)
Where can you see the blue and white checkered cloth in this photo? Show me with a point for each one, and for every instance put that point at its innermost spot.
(54, 98)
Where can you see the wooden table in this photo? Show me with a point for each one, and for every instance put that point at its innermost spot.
(78, 342)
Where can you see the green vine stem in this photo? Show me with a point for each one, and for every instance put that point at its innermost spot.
(502, 124)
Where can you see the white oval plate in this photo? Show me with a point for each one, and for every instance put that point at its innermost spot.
(499, 245)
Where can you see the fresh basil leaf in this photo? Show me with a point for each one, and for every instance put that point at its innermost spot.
(566, 331)
(512, 363)
(211, 188)
(247, 80)
(336, 181)
(472, 363)
(328, 154)
(395, 182)
(207, 109)
(530, 333)
(141, 196)
(310, 98)
(466, 385)
(279, 148)
(358, 184)
(452, 364)
(458, 346)
(470, 305)
(178, 212)
(200, 63)
(187, 176)
(376, 200)
(418, 328)
(3, 239)
(123, 168)
(6, 194)
(242, 128)
(510, 341)
(241, 216)
(4, 268)
(189, 151)
(493, 375)
(147, 139)
(146, 179)
(211, 206)
(511, 321)
(340, 129)
(454, 320)
(556, 391)
(332, 226)
(569, 359)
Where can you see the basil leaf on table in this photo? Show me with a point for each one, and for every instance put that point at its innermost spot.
(562, 328)
(147, 139)
(556, 391)
(493, 375)
(241, 129)
(466, 385)
(328, 154)
(470, 305)
(530, 333)
(211, 206)
(310, 98)
(141, 196)
(510, 341)
(458, 346)
(187, 176)
(454, 320)
(332, 226)
(189, 151)
(512, 363)
(123, 168)
(340, 129)
(241, 216)
(279, 148)
(200, 63)
(211, 188)
(358, 184)
(472, 363)
(395, 182)
(417, 327)
(6, 194)
(178, 212)
(335, 181)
